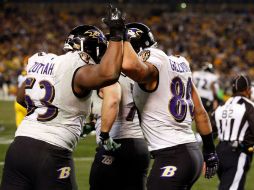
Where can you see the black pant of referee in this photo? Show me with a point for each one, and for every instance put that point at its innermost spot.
(233, 167)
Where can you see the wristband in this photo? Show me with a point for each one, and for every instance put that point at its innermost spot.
(104, 135)
(116, 34)
(208, 144)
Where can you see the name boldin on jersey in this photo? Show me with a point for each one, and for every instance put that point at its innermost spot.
(179, 67)
(40, 68)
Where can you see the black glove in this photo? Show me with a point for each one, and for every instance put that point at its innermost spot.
(87, 128)
(107, 142)
(89, 125)
(115, 22)
(210, 156)
(212, 162)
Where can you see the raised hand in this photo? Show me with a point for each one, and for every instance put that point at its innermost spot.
(115, 22)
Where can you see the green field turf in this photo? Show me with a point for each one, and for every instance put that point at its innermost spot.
(84, 153)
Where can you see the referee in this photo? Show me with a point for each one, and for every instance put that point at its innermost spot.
(233, 122)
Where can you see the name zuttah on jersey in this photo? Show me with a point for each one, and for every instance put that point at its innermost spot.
(55, 115)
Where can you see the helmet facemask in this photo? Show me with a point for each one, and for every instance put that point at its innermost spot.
(88, 39)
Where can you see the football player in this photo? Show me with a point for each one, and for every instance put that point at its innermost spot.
(57, 94)
(167, 101)
(206, 82)
(124, 161)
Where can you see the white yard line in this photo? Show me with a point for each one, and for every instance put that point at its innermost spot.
(83, 158)
(4, 140)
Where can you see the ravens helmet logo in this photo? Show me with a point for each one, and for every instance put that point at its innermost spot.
(95, 34)
(134, 33)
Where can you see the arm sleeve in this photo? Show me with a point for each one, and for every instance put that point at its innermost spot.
(214, 127)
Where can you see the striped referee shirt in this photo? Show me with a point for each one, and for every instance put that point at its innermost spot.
(234, 121)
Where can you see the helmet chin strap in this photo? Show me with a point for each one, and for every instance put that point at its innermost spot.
(154, 45)
(81, 44)
(97, 51)
(140, 49)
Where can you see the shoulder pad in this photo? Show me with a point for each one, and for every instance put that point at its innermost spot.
(144, 55)
(147, 52)
(85, 57)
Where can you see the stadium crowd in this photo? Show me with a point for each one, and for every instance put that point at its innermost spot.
(225, 39)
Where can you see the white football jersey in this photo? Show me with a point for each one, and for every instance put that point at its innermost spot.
(203, 81)
(126, 124)
(166, 113)
(54, 114)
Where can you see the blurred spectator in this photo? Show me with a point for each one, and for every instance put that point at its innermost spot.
(1, 85)
(225, 38)
(5, 87)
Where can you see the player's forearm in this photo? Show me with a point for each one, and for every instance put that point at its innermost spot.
(203, 126)
(111, 63)
(21, 95)
(130, 57)
(109, 114)
(202, 121)
(132, 66)
(110, 105)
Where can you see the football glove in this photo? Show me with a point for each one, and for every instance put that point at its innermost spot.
(107, 142)
(212, 162)
(115, 22)
(87, 128)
